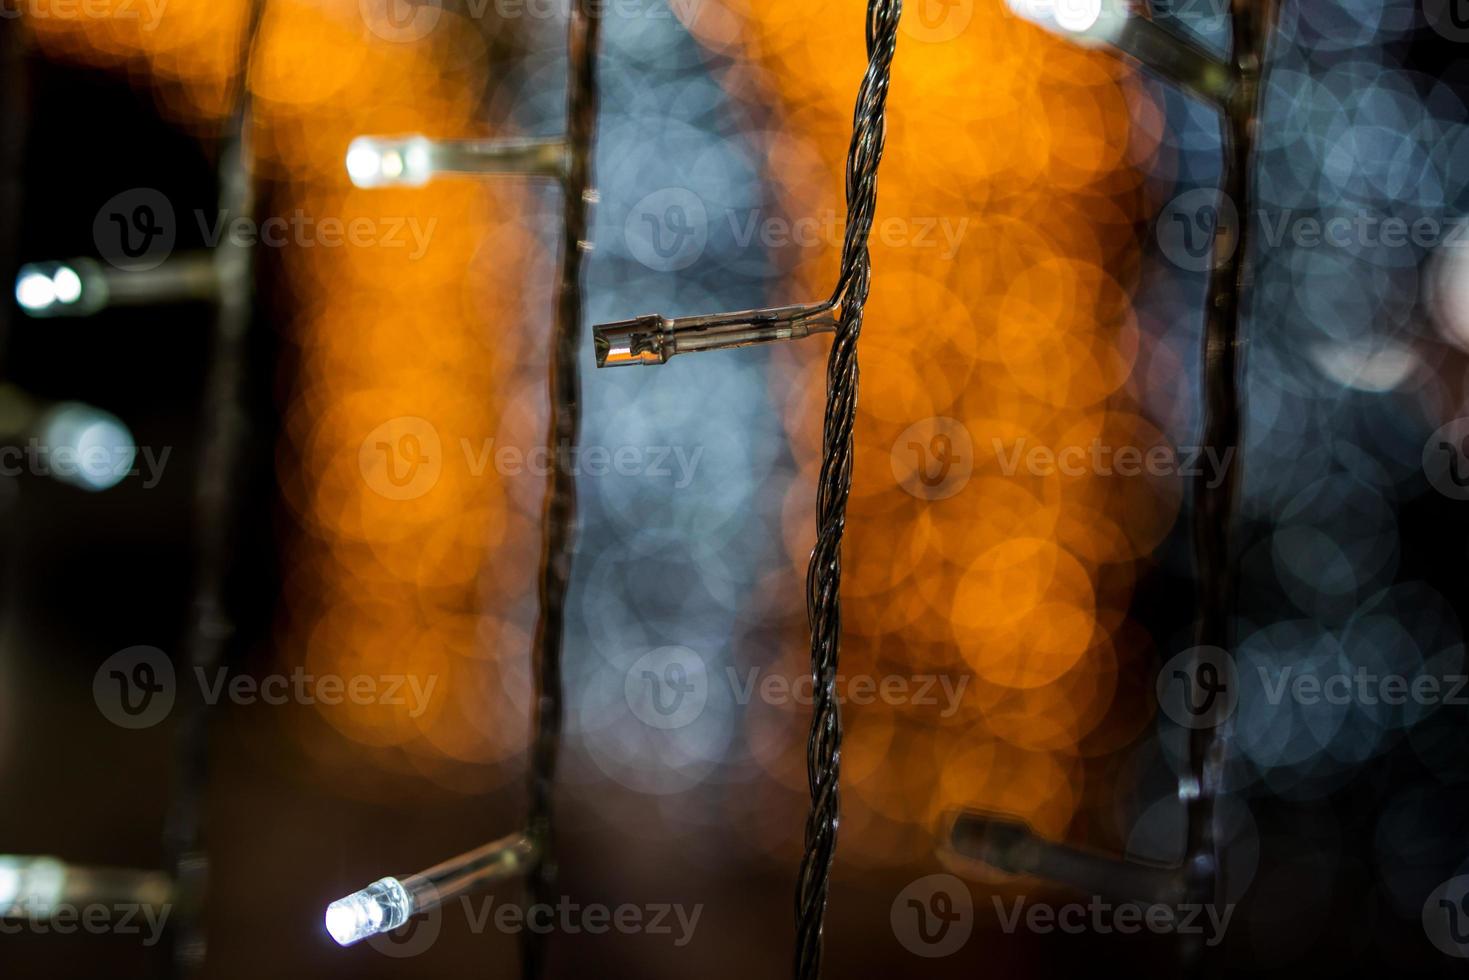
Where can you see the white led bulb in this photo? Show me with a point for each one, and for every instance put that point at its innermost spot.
(381, 907)
(1090, 22)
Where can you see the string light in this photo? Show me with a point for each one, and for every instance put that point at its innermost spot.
(34, 887)
(82, 287)
(411, 161)
(1011, 846)
(1114, 25)
(1236, 91)
(654, 339)
(100, 442)
(387, 903)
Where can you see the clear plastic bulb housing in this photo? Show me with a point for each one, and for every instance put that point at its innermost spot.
(381, 907)
(375, 161)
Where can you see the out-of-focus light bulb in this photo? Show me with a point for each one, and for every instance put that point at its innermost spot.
(34, 291)
(72, 288)
(374, 161)
(100, 448)
(68, 285)
(381, 907)
(30, 884)
(1085, 21)
(408, 161)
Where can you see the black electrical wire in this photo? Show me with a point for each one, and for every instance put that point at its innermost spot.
(824, 574)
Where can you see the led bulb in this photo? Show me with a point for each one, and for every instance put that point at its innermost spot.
(34, 291)
(61, 288)
(381, 907)
(1090, 22)
(30, 884)
(374, 161)
(101, 448)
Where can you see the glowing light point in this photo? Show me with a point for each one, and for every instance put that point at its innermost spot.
(1084, 21)
(381, 907)
(99, 445)
(72, 288)
(34, 291)
(68, 285)
(377, 162)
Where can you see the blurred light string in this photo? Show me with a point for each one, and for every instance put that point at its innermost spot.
(412, 161)
(223, 437)
(653, 339)
(1214, 500)
(1237, 93)
(82, 287)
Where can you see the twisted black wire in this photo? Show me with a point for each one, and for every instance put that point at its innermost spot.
(824, 574)
(559, 518)
(222, 436)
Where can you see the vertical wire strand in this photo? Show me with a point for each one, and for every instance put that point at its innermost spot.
(222, 438)
(563, 429)
(1214, 501)
(824, 574)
